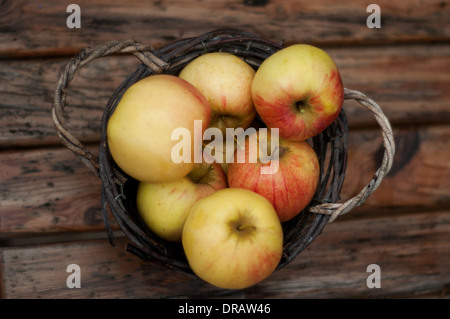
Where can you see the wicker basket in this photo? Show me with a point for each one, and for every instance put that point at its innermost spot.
(119, 190)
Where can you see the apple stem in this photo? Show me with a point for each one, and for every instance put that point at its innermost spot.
(209, 169)
(211, 148)
(244, 227)
(241, 147)
(299, 105)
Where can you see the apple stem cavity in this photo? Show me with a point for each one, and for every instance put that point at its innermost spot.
(241, 147)
(275, 154)
(224, 121)
(281, 151)
(209, 169)
(300, 105)
(245, 227)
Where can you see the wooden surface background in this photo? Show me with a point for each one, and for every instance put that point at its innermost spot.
(50, 204)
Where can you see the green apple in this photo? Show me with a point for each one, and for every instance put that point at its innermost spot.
(139, 132)
(225, 80)
(164, 206)
(298, 90)
(233, 238)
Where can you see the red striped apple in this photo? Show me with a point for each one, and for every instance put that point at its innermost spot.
(291, 176)
(233, 238)
(298, 90)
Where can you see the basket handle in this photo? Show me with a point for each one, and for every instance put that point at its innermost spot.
(142, 52)
(337, 209)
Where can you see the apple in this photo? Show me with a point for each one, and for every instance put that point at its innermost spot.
(221, 152)
(164, 206)
(298, 90)
(139, 132)
(291, 173)
(225, 80)
(233, 238)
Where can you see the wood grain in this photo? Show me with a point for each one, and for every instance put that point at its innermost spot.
(412, 253)
(407, 81)
(419, 178)
(25, 108)
(34, 28)
(50, 204)
(49, 190)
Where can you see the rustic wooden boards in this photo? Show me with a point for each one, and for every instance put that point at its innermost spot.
(50, 190)
(49, 203)
(406, 81)
(413, 261)
(28, 98)
(33, 28)
(47, 190)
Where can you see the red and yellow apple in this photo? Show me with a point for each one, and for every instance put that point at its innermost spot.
(164, 206)
(139, 132)
(298, 90)
(286, 172)
(233, 238)
(225, 80)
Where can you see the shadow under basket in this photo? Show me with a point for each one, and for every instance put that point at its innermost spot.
(118, 194)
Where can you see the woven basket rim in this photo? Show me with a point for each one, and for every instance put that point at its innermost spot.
(170, 59)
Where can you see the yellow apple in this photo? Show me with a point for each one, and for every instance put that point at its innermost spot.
(225, 80)
(233, 238)
(164, 206)
(139, 132)
(298, 90)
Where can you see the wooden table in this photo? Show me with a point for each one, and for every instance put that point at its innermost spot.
(50, 214)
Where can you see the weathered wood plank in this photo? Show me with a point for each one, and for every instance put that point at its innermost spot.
(27, 98)
(407, 81)
(411, 251)
(47, 195)
(30, 28)
(419, 178)
(48, 190)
